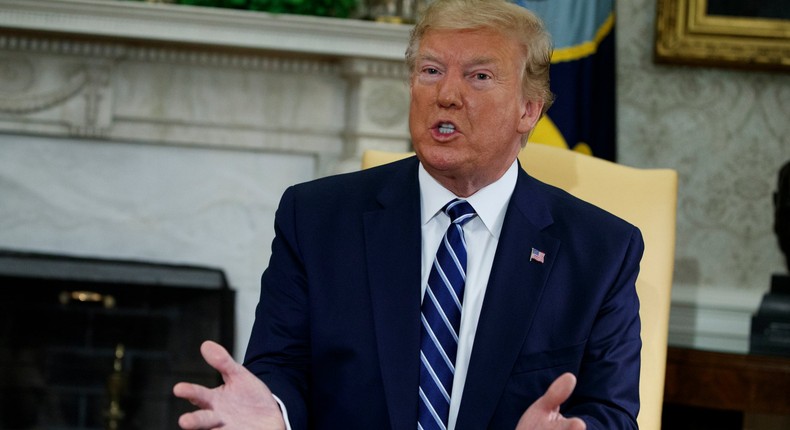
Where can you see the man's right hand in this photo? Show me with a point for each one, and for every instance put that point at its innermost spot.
(243, 402)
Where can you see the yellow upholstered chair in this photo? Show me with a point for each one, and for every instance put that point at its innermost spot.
(646, 198)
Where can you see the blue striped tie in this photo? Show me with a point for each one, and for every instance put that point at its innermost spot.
(441, 317)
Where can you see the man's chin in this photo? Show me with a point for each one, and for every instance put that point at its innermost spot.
(440, 156)
(440, 163)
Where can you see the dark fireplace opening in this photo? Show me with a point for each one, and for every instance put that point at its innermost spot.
(91, 343)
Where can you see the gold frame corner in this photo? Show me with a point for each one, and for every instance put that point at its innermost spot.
(686, 34)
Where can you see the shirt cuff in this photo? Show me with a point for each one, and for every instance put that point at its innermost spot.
(284, 410)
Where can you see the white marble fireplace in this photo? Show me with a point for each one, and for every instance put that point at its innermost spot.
(167, 133)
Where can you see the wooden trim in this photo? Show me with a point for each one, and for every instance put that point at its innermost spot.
(716, 380)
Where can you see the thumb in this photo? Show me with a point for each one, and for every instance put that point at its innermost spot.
(219, 358)
(558, 391)
(545, 412)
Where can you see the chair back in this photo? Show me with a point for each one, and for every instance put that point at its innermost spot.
(646, 198)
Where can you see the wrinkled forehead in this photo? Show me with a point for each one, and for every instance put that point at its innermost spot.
(470, 47)
(451, 40)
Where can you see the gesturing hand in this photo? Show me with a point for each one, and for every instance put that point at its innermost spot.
(243, 402)
(544, 414)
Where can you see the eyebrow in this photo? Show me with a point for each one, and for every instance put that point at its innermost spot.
(478, 61)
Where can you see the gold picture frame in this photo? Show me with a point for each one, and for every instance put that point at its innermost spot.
(687, 34)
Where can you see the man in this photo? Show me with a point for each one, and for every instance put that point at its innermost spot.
(544, 282)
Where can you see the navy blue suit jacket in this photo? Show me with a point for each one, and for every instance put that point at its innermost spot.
(337, 329)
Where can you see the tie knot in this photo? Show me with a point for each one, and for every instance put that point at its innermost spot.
(459, 211)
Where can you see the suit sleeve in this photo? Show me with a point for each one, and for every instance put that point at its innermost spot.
(607, 394)
(278, 351)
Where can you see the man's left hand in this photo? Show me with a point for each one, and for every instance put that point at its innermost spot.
(544, 414)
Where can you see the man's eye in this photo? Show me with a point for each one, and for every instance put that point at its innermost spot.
(431, 71)
(482, 76)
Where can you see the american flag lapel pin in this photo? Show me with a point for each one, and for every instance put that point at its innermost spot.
(536, 255)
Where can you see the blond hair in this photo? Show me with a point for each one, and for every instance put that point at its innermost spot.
(511, 20)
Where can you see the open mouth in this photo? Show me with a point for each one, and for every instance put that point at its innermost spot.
(445, 128)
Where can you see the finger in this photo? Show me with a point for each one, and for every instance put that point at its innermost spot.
(201, 419)
(219, 358)
(545, 412)
(559, 391)
(576, 424)
(196, 394)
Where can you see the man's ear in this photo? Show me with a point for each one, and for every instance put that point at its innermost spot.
(530, 115)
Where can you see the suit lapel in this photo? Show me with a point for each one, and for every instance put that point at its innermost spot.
(393, 261)
(511, 299)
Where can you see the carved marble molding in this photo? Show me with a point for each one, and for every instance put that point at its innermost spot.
(181, 54)
(17, 77)
(169, 74)
(179, 24)
(358, 67)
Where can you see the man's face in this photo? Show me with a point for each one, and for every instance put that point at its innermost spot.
(468, 113)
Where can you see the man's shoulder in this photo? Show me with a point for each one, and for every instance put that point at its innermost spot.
(358, 183)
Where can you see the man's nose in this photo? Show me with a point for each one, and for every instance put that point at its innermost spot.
(450, 92)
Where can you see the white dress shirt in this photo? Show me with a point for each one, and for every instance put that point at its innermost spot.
(482, 237)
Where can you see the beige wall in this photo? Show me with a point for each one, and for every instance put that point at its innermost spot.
(727, 132)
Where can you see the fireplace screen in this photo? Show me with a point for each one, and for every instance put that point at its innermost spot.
(99, 344)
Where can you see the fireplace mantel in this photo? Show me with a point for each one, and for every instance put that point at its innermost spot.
(167, 133)
(182, 75)
(224, 28)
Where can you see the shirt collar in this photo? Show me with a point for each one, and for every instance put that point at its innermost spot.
(489, 202)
